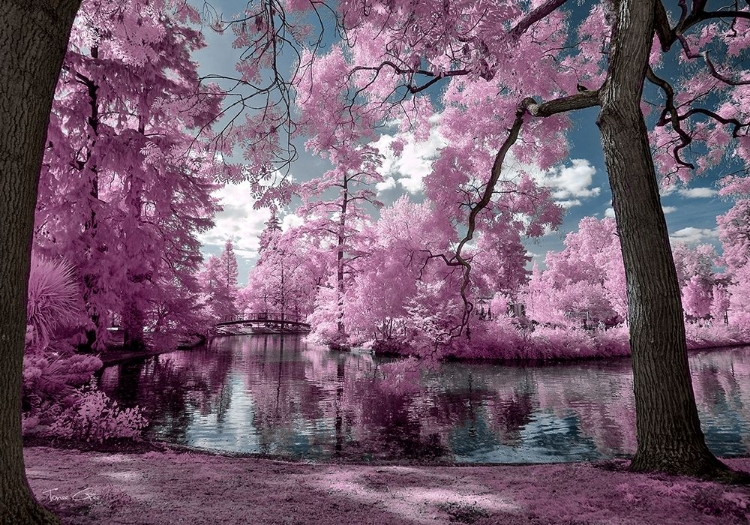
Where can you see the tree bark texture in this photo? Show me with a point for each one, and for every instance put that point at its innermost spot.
(33, 40)
(667, 425)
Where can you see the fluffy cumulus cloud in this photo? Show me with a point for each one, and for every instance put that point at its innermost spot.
(571, 184)
(408, 169)
(669, 209)
(291, 220)
(692, 235)
(609, 212)
(697, 193)
(238, 221)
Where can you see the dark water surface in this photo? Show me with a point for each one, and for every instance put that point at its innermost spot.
(278, 395)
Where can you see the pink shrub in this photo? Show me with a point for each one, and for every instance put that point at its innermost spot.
(714, 334)
(558, 343)
(503, 339)
(613, 342)
(95, 417)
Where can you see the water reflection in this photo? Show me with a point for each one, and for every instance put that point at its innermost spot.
(278, 395)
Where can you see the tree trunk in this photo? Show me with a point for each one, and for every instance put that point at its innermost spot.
(340, 260)
(33, 38)
(132, 324)
(667, 426)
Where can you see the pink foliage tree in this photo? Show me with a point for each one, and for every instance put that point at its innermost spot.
(734, 233)
(337, 221)
(122, 162)
(391, 282)
(695, 273)
(287, 275)
(217, 300)
(584, 282)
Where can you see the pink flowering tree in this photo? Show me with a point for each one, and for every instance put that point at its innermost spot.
(337, 221)
(217, 300)
(402, 250)
(695, 273)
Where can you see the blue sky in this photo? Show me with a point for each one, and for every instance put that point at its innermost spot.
(580, 183)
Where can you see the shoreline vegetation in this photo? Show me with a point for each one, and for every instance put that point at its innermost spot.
(117, 354)
(155, 484)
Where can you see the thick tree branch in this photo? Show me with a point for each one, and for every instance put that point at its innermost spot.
(534, 16)
(662, 27)
(528, 105)
(586, 99)
(697, 14)
(737, 125)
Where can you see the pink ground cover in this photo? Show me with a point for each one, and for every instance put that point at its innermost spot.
(173, 487)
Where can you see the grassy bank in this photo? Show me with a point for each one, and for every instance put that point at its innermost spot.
(164, 487)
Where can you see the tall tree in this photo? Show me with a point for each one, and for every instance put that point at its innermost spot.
(217, 299)
(337, 220)
(287, 274)
(122, 161)
(228, 269)
(734, 232)
(584, 281)
(34, 36)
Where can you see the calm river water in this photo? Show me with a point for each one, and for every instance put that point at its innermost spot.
(278, 395)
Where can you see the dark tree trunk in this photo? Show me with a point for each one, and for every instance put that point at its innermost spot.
(340, 288)
(132, 324)
(668, 430)
(33, 38)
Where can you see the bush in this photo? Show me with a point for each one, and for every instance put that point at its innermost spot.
(95, 417)
(53, 300)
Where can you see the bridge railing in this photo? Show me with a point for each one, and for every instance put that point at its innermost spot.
(264, 316)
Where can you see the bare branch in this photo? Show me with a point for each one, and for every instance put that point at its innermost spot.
(671, 111)
(482, 204)
(721, 77)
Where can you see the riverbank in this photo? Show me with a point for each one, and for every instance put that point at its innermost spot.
(169, 487)
(117, 354)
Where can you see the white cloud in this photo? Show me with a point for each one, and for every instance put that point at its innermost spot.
(697, 193)
(238, 221)
(388, 184)
(413, 165)
(665, 191)
(692, 235)
(570, 184)
(669, 209)
(291, 220)
(609, 212)
(569, 203)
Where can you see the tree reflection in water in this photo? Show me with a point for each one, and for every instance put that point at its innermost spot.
(279, 395)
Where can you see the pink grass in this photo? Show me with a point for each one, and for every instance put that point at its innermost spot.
(161, 488)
